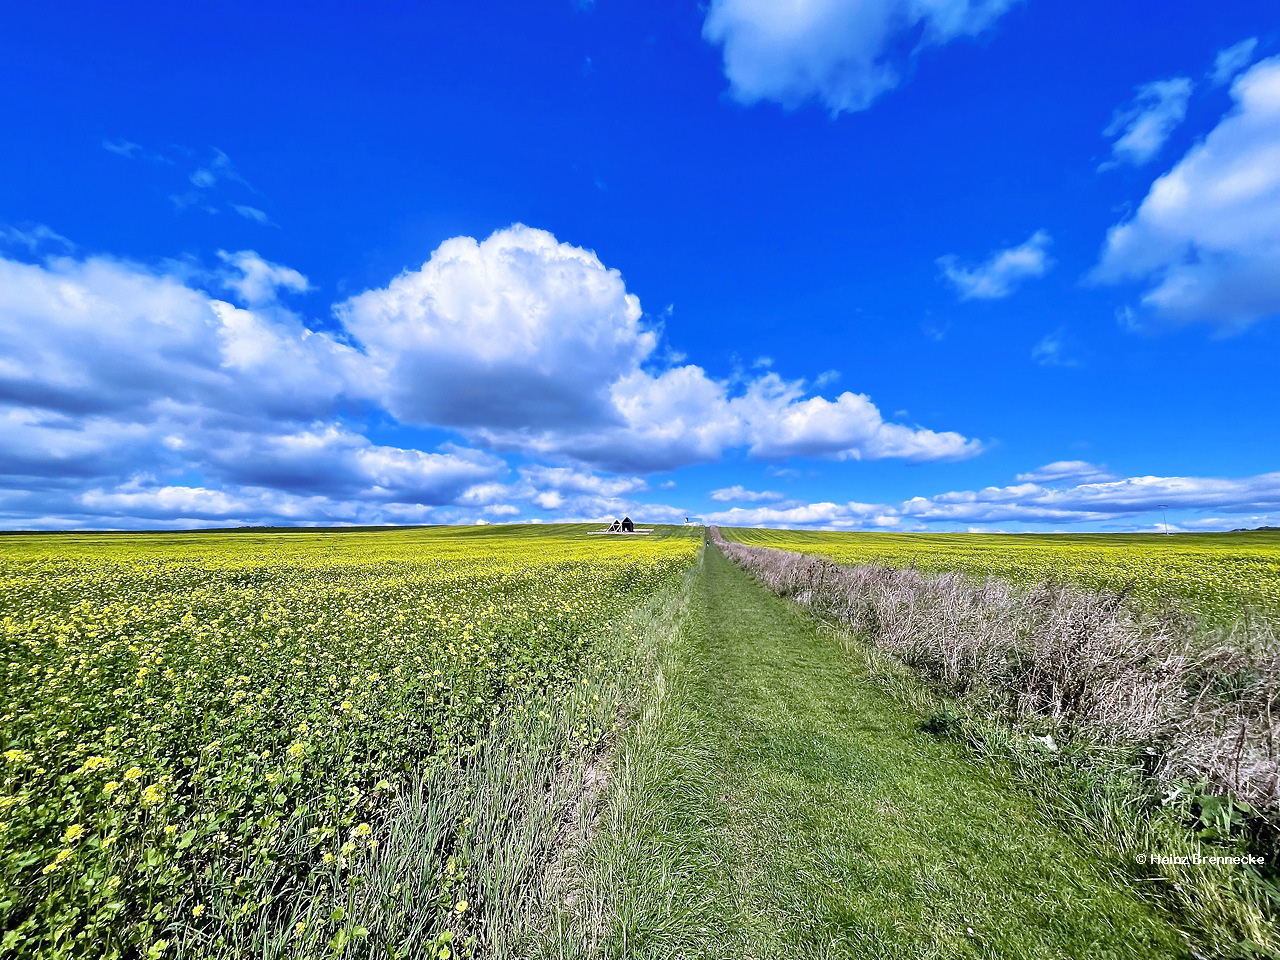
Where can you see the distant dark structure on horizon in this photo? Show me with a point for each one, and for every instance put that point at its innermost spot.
(625, 525)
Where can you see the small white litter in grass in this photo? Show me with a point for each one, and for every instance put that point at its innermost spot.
(1046, 742)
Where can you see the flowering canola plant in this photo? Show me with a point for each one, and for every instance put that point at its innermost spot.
(1213, 577)
(178, 709)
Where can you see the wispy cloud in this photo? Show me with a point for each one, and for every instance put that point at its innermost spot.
(33, 237)
(201, 188)
(253, 213)
(740, 494)
(134, 151)
(219, 168)
(1058, 496)
(1078, 470)
(1001, 273)
(1052, 350)
(1231, 61)
(1143, 125)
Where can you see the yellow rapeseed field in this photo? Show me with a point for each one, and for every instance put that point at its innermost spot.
(176, 706)
(1214, 577)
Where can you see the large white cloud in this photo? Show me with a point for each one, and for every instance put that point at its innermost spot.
(527, 344)
(840, 52)
(113, 375)
(98, 335)
(43, 445)
(329, 459)
(145, 502)
(137, 380)
(781, 422)
(514, 332)
(1207, 237)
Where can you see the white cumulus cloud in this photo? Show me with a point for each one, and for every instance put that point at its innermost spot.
(839, 52)
(1207, 237)
(256, 280)
(94, 335)
(524, 343)
(512, 332)
(126, 387)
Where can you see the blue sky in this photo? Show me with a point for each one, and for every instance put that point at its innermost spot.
(862, 264)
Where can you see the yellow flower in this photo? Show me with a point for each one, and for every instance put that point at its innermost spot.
(297, 749)
(363, 830)
(16, 756)
(133, 773)
(110, 788)
(57, 862)
(96, 763)
(461, 906)
(74, 832)
(197, 910)
(153, 794)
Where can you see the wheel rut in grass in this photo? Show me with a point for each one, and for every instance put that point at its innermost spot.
(843, 830)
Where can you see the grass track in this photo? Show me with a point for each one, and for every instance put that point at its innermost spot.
(794, 808)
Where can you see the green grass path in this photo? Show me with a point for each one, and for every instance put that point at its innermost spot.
(804, 814)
